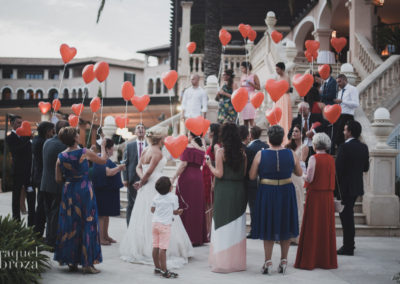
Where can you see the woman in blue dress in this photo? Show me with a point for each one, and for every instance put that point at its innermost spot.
(78, 240)
(276, 206)
(107, 183)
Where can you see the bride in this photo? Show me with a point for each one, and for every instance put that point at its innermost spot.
(136, 245)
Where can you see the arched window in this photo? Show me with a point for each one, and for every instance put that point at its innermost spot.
(80, 93)
(66, 94)
(165, 90)
(86, 92)
(6, 94)
(53, 94)
(73, 93)
(158, 86)
(30, 95)
(39, 94)
(20, 94)
(150, 87)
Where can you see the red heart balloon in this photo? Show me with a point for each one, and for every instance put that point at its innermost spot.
(308, 55)
(191, 47)
(274, 115)
(206, 125)
(44, 107)
(252, 35)
(257, 99)
(239, 99)
(127, 91)
(88, 73)
(176, 145)
(77, 109)
(73, 120)
(276, 89)
(24, 129)
(303, 83)
(276, 36)
(243, 30)
(56, 104)
(332, 112)
(324, 71)
(121, 121)
(224, 37)
(67, 53)
(315, 125)
(169, 79)
(195, 125)
(338, 43)
(312, 45)
(101, 70)
(140, 102)
(95, 104)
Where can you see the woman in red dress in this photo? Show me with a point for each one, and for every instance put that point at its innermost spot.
(317, 245)
(208, 177)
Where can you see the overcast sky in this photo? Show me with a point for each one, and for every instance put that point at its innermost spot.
(36, 28)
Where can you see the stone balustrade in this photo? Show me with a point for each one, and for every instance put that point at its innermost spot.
(365, 59)
(377, 88)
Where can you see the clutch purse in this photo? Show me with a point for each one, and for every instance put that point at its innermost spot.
(338, 206)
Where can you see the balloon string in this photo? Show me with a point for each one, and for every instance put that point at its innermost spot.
(247, 61)
(59, 88)
(141, 118)
(170, 107)
(90, 130)
(126, 113)
(181, 197)
(81, 108)
(330, 150)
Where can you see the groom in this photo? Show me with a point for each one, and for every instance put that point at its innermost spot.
(132, 153)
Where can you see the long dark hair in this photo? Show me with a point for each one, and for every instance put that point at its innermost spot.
(196, 139)
(232, 146)
(292, 144)
(229, 72)
(214, 128)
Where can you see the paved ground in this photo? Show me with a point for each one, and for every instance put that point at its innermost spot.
(376, 260)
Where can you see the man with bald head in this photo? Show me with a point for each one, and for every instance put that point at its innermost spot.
(194, 101)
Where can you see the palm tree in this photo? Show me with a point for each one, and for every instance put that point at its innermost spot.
(102, 3)
(212, 46)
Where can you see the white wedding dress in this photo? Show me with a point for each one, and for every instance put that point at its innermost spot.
(136, 246)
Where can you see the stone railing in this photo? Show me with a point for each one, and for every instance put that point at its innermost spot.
(364, 58)
(380, 87)
(173, 122)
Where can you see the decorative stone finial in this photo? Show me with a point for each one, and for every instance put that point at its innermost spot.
(348, 70)
(382, 127)
(270, 20)
(109, 127)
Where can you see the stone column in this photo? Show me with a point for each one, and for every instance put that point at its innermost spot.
(380, 204)
(183, 58)
(361, 21)
(212, 89)
(46, 74)
(71, 72)
(323, 36)
(1, 73)
(15, 74)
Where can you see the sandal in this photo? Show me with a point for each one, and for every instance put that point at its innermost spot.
(169, 274)
(158, 271)
(90, 270)
(282, 266)
(267, 267)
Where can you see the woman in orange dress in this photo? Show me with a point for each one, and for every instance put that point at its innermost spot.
(317, 245)
(284, 102)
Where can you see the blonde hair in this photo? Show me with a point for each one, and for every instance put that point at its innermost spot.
(155, 134)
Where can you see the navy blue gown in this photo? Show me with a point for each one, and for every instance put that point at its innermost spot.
(276, 206)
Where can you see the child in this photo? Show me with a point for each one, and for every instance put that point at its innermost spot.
(164, 206)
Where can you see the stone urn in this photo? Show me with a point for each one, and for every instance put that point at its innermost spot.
(109, 128)
(382, 127)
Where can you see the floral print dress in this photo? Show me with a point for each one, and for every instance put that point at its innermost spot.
(78, 240)
(226, 112)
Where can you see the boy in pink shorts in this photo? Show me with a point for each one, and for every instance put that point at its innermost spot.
(164, 206)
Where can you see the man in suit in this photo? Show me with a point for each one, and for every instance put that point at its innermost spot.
(253, 147)
(50, 188)
(21, 152)
(329, 90)
(132, 153)
(352, 161)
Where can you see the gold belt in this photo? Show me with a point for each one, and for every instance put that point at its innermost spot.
(276, 181)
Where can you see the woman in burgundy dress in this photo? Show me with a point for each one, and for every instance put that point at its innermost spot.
(190, 190)
(208, 177)
(317, 245)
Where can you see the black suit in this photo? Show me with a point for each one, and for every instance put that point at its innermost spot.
(329, 91)
(352, 161)
(252, 186)
(21, 152)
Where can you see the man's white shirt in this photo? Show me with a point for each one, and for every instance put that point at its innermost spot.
(194, 102)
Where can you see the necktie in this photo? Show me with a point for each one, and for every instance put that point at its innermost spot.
(140, 148)
(325, 84)
(306, 124)
(342, 94)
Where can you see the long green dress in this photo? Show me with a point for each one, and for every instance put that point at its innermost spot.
(228, 231)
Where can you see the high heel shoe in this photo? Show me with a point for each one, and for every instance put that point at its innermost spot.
(267, 267)
(282, 266)
(90, 270)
